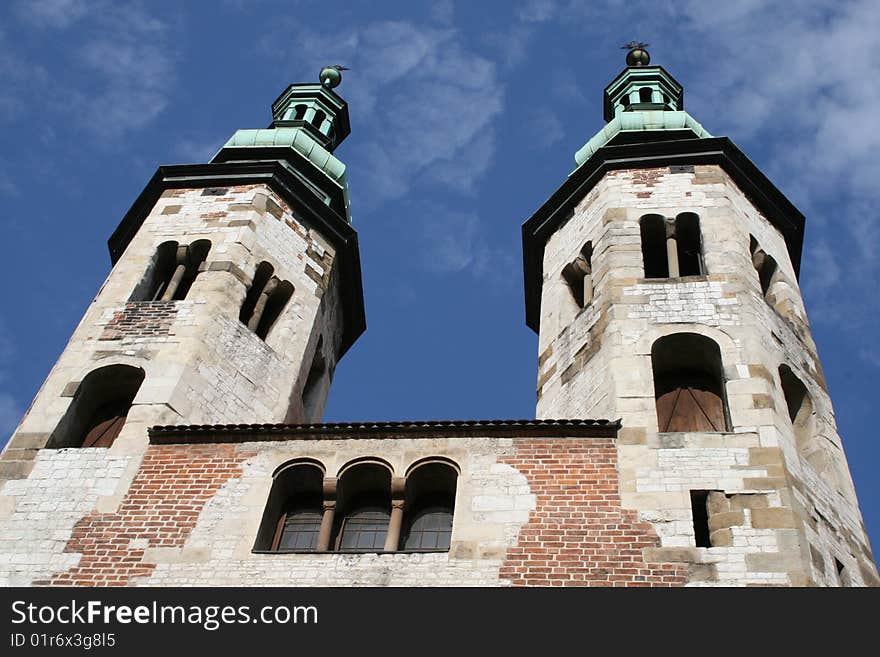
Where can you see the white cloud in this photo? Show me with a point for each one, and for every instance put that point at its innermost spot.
(51, 13)
(115, 75)
(423, 103)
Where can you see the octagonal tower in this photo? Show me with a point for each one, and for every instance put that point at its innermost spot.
(662, 279)
(235, 290)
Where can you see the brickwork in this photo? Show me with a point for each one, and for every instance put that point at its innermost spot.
(141, 319)
(578, 534)
(160, 510)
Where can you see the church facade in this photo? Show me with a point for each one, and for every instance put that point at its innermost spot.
(177, 440)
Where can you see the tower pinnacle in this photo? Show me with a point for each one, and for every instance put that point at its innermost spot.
(637, 55)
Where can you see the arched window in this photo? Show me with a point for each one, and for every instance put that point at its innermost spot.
(300, 112)
(653, 232)
(645, 94)
(688, 384)
(764, 264)
(99, 408)
(172, 271)
(578, 274)
(293, 514)
(672, 247)
(689, 245)
(265, 300)
(430, 502)
(318, 119)
(364, 508)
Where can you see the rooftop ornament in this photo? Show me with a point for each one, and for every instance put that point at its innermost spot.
(331, 76)
(637, 55)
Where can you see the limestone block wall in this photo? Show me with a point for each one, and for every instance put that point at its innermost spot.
(528, 511)
(599, 358)
(201, 363)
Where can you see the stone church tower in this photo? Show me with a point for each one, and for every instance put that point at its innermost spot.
(661, 278)
(177, 440)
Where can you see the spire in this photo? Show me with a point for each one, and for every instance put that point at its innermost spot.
(643, 103)
(641, 87)
(315, 108)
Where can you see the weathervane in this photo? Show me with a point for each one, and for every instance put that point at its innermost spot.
(331, 76)
(637, 55)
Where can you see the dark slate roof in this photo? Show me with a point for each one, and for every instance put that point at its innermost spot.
(233, 433)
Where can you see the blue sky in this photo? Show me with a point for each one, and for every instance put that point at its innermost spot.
(465, 118)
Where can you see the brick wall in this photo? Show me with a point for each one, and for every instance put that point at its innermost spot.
(578, 534)
(141, 319)
(160, 510)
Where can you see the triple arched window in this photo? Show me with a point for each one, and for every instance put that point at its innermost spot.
(365, 509)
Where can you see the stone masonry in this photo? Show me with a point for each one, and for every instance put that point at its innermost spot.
(787, 519)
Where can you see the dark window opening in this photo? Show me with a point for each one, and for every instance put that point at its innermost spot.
(645, 94)
(430, 501)
(265, 300)
(688, 245)
(842, 578)
(364, 509)
(300, 112)
(172, 271)
(688, 384)
(625, 101)
(764, 264)
(578, 276)
(99, 408)
(313, 389)
(700, 513)
(292, 517)
(800, 410)
(318, 119)
(653, 232)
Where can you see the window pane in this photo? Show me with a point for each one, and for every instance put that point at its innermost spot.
(365, 529)
(431, 529)
(301, 528)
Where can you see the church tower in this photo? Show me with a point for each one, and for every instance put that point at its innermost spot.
(235, 290)
(662, 280)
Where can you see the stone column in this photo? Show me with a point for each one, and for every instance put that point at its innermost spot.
(671, 248)
(392, 540)
(395, 524)
(182, 260)
(254, 321)
(329, 513)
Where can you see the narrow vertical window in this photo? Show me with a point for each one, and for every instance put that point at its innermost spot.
(265, 300)
(313, 389)
(653, 233)
(578, 275)
(689, 246)
(700, 513)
